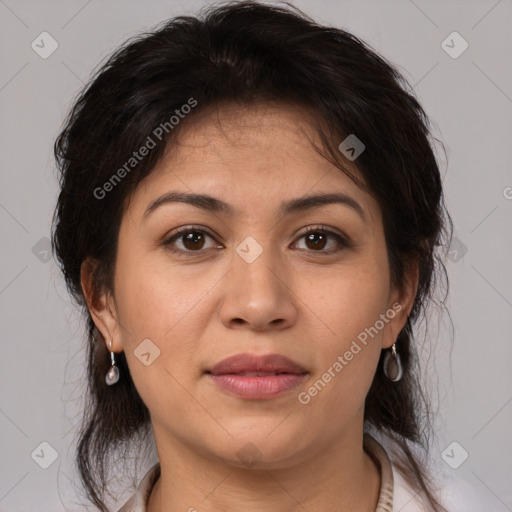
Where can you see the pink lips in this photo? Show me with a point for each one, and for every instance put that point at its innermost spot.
(257, 377)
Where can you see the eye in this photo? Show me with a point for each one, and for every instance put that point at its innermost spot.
(316, 240)
(192, 240)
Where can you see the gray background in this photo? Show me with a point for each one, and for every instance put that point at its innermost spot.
(468, 98)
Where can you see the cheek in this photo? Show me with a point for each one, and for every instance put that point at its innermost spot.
(352, 300)
(350, 308)
(156, 302)
(152, 297)
(153, 307)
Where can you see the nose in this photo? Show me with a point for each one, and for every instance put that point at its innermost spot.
(258, 295)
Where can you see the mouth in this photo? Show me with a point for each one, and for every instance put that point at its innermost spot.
(255, 374)
(257, 377)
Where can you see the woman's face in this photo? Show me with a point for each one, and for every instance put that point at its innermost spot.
(251, 281)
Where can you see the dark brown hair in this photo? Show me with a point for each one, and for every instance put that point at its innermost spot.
(242, 53)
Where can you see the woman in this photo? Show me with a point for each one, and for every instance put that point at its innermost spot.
(250, 215)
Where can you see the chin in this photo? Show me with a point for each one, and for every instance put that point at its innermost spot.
(259, 448)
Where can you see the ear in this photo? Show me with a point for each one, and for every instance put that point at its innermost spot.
(401, 302)
(100, 304)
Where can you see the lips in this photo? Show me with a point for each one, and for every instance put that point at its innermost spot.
(252, 377)
(253, 365)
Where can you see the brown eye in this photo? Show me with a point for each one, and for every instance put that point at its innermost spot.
(193, 240)
(188, 241)
(316, 239)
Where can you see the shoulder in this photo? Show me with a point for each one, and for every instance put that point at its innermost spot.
(453, 492)
(138, 500)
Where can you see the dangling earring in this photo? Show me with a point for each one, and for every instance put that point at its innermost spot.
(112, 375)
(393, 365)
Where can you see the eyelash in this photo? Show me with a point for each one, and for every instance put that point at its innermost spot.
(312, 229)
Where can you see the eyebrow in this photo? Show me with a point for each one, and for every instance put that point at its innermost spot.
(293, 206)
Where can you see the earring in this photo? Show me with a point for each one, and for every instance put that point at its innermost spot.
(393, 365)
(112, 375)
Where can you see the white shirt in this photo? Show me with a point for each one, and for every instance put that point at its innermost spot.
(395, 494)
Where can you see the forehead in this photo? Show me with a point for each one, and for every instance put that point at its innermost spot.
(268, 133)
(250, 156)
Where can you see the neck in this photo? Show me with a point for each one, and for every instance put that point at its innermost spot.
(336, 478)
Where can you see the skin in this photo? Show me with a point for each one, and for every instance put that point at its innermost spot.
(293, 299)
